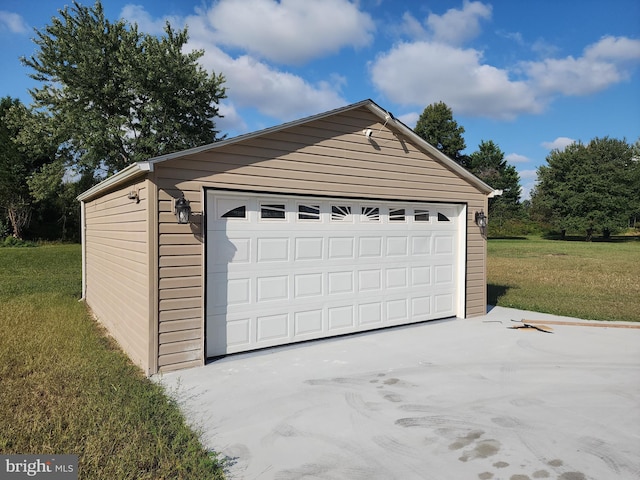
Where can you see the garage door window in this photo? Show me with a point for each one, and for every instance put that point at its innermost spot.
(271, 211)
(340, 213)
(420, 215)
(237, 212)
(396, 215)
(308, 212)
(370, 214)
(442, 217)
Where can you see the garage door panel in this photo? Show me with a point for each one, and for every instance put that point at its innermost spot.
(308, 248)
(323, 271)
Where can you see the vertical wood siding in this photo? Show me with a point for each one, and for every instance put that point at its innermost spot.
(329, 157)
(117, 267)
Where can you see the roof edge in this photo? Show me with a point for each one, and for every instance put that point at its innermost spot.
(132, 171)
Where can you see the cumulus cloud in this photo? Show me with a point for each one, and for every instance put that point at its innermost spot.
(457, 26)
(276, 93)
(230, 119)
(13, 22)
(559, 143)
(454, 27)
(528, 180)
(409, 119)
(421, 73)
(528, 174)
(602, 64)
(434, 66)
(516, 158)
(290, 31)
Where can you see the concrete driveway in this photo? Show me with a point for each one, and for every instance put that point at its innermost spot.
(453, 399)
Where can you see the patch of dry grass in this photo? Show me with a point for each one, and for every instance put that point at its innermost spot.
(590, 280)
(66, 388)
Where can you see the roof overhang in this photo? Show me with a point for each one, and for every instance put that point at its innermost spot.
(123, 176)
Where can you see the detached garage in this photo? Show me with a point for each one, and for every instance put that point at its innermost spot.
(338, 223)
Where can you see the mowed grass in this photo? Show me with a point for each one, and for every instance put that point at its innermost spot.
(589, 280)
(65, 387)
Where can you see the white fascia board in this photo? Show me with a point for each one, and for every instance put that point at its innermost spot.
(132, 171)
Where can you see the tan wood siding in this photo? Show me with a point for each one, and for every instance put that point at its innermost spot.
(117, 267)
(328, 157)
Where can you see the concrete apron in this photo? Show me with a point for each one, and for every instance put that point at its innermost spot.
(453, 399)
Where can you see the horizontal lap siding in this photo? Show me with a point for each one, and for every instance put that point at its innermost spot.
(328, 157)
(117, 268)
(180, 270)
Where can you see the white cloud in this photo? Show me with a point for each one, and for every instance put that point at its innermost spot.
(146, 23)
(278, 94)
(457, 26)
(602, 64)
(230, 120)
(421, 73)
(528, 180)
(13, 22)
(528, 174)
(614, 49)
(516, 158)
(290, 31)
(559, 143)
(409, 119)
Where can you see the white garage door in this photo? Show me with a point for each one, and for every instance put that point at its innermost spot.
(288, 269)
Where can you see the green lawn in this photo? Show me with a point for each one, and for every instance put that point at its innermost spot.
(590, 280)
(66, 388)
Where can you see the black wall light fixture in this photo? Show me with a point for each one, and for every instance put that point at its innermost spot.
(182, 210)
(481, 221)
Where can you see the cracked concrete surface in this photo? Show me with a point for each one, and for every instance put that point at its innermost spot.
(452, 399)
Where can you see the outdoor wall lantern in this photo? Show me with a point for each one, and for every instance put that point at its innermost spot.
(182, 210)
(481, 220)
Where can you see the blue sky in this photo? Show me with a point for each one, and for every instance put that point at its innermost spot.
(529, 75)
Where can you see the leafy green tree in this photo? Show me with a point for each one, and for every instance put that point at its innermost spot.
(17, 163)
(118, 96)
(588, 187)
(437, 126)
(489, 165)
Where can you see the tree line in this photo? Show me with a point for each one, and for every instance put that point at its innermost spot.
(582, 189)
(110, 95)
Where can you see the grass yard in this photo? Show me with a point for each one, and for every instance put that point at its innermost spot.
(590, 280)
(66, 388)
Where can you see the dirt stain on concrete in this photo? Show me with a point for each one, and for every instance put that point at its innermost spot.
(541, 474)
(519, 477)
(572, 476)
(555, 463)
(501, 464)
(465, 441)
(485, 476)
(483, 449)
